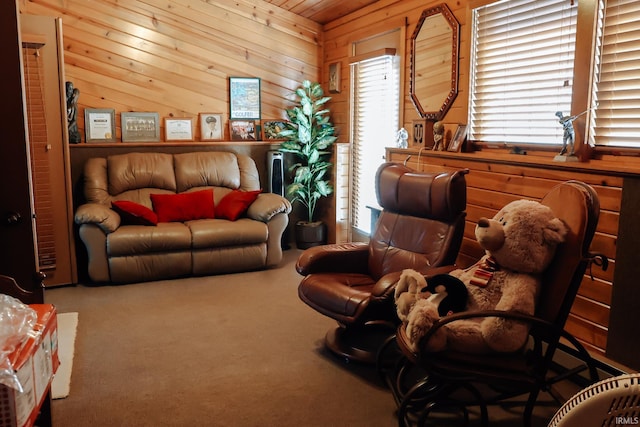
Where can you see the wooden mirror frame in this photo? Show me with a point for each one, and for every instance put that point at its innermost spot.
(427, 113)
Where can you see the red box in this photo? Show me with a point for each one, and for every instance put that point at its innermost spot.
(34, 363)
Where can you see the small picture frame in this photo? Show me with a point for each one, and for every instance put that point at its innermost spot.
(178, 129)
(244, 98)
(419, 137)
(271, 129)
(140, 127)
(100, 124)
(211, 127)
(242, 130)
(458, 139)
(334, 77)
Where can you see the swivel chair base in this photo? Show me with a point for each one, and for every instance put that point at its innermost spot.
(359, 343)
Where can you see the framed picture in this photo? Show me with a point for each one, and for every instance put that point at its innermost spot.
(334, 77)
(244, 98)
(211, 127)
(419, 133)
(178, 129)
(140, 127)
(100, 124)
(271, 128)
(458, 139)
(242, 130)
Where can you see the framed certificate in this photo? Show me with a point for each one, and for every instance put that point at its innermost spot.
(178, 129)
(99, 124)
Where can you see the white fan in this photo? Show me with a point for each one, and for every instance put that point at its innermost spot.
(611, 402)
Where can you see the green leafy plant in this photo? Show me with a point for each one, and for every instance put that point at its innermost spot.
(308, 135)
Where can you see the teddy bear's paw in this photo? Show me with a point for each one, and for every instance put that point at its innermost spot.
(504, 335)
(437, 341)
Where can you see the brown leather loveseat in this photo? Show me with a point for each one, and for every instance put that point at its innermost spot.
(122, 253)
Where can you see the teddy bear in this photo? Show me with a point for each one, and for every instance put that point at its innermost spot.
(519, 243)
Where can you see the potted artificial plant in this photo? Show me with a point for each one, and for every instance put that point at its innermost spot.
(308, 136)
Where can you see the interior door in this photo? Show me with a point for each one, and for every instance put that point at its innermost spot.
(17, 242)
(43, 63)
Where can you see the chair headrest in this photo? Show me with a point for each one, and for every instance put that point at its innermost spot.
(441, 196)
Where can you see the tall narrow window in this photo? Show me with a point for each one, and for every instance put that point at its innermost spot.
(522, 70)
(616, 92)
(376, 105)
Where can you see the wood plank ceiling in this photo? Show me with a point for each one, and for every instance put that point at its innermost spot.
(321, 11)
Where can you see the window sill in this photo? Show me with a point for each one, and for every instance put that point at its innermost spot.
(604, 164)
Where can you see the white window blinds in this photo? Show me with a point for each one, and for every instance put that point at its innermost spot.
(522, 70)
(616, 121)
(376, 106)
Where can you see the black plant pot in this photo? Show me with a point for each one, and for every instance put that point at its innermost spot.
(310, 234)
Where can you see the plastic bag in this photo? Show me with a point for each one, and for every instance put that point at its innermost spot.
(17, 320)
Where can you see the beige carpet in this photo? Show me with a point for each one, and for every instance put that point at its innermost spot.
(231, 350)
(61, 384)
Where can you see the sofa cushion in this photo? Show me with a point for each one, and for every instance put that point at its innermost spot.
(132, 213)
(138, 240)
(183, 206)
(217, 233)
(133, 171)
(206, 169)
(235, 203)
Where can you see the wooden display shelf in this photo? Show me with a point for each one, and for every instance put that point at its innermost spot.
(169, 144)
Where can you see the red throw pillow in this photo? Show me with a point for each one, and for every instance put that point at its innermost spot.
(132, 213)
(183, 206)
(235, 204)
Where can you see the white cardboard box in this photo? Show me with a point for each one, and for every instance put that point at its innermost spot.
(34, 363)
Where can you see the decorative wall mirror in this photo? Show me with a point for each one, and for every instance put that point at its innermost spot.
(434, 62)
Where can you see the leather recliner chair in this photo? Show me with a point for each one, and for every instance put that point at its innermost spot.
(420, 227)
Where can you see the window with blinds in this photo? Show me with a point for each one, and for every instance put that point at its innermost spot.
(522, 70)
(376, 106)
(616, 91)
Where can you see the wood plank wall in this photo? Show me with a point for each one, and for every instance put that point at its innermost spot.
(175, 57)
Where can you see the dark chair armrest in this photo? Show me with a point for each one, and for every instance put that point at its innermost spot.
(385, 287)
(540, 330)
(538, 354)
(335, 258)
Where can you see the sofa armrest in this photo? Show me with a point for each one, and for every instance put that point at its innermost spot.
(267, 205)
(334, 258)
(94, 213)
